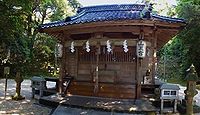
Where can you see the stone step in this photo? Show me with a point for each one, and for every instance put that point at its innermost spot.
(65, 110)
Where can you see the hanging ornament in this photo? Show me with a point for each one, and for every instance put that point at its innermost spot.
(108, 45)
(72, 47)
(125, 46)
(87, 46)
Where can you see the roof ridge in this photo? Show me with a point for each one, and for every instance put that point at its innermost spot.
(100, 8)
(112, 7)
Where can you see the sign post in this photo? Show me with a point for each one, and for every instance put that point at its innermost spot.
(6, 73)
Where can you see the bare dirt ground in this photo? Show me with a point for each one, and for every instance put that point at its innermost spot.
(28, 106)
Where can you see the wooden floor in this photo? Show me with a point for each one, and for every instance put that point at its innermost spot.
(102, 104)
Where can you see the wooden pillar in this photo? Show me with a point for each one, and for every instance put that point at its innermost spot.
(138, 77)
(96, 85)
(154, 50)
(139, 70)
(62, 68)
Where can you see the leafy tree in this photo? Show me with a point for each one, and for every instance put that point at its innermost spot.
(41, 46)
(190, 10)
(172, 59)
(179, 54)
(12, 26)
(30, 51)
(74, 4)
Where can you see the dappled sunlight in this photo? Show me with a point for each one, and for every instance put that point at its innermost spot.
(13, 111)
(83, 113)
(2, 112)
(108, 104)
(132, 108)
(28, 106)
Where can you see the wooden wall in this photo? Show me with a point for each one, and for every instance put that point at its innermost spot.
(117, 72)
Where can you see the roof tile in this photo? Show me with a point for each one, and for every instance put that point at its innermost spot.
(109, 13)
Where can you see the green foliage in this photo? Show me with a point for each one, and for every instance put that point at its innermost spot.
(9, 24)
(43, 51)
(11, 28)
(190, 10)
(171, 62)
(30, 52)
(74, 4)
(183, 51)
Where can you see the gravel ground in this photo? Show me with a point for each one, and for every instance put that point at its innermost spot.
(28, 106)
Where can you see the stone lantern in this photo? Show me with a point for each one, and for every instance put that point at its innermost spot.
(191, 91)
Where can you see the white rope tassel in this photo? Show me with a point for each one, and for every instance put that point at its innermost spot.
(109, 49)
(87, 46)
(72, 47)
(125, 46)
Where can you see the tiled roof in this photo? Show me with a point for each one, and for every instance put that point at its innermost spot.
(169, 86)
(110, 13)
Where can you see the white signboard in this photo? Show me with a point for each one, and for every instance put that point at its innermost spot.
(141, 49)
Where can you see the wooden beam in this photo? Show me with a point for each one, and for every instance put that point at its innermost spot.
(100, 24)
(103, 29)
(159, 23)
(114, 23)
(135, 30)
(166, 30)
(116, 42)
(58, 35)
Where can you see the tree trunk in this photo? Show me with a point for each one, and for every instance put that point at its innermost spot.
(18, 80)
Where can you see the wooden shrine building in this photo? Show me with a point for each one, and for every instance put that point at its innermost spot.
(110, 50)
